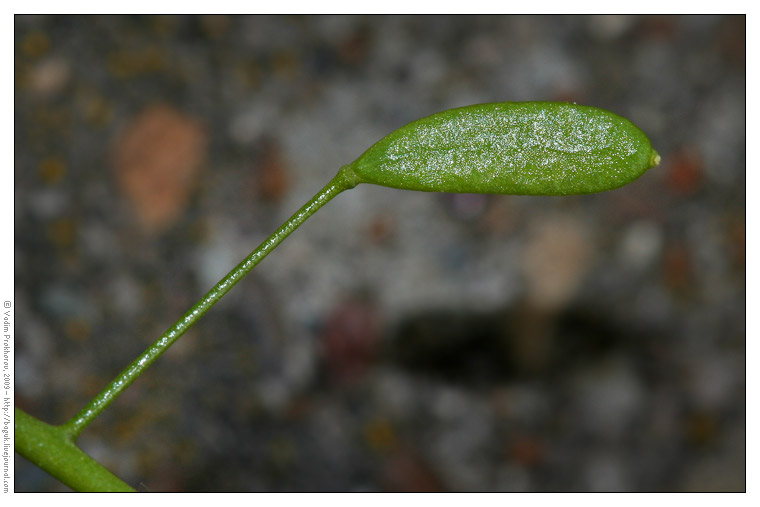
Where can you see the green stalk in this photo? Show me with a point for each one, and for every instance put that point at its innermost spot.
(342, 181)
(53, 449)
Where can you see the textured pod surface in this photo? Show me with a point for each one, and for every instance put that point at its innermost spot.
(526, 148)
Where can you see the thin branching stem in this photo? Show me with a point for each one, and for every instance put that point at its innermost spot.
(52, 449)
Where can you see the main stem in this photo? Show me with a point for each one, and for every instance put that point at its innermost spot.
(342, 181)
(54, 451)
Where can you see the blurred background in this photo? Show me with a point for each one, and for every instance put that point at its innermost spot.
(398, 341)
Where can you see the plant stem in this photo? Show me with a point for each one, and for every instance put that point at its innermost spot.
(342, 181)
(52, 449)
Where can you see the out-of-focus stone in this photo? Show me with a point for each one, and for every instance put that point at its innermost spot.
(351, 340)
(158, 158)
(272, 175)
(685, 172)
(49, 77)
(555, 259)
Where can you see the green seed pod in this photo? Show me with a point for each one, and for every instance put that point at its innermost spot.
(523, 148)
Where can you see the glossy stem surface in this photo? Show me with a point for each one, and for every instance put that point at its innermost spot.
(342, 181)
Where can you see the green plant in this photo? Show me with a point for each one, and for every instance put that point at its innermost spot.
(526, 148)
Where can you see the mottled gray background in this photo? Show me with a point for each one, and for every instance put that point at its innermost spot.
(398, 341)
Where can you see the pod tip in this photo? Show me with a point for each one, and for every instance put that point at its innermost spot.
(655, 159)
